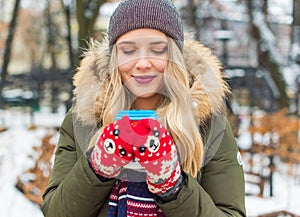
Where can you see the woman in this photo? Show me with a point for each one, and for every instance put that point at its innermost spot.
(146, 65)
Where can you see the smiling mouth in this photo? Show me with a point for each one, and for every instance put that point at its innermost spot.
(143, 79)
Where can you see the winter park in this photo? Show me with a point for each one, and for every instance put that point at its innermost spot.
(257, 42)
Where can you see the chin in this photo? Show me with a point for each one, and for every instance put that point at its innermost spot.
(145, 95)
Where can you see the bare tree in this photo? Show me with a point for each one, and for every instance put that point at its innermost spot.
(9, 41)
(67, 11)
(295, 49)
(189, 15)
(268, 54)
(295, 41)
(87, 12)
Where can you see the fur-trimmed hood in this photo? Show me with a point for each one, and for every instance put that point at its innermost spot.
(199, 60)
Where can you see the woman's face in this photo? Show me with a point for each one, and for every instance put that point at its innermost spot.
(142, 59)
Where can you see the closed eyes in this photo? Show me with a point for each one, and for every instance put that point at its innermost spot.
(154, 48)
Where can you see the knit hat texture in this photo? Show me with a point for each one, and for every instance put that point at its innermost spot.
(161, 15)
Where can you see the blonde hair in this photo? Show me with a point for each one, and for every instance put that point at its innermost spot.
(176, 112)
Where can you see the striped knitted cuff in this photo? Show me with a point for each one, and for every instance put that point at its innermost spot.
(101, 178)
(160, 188)
(173, 190)
(172, 194)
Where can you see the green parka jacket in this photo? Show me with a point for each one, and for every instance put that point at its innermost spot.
(218, 191)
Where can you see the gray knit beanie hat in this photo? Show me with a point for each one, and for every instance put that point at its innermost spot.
(155, 14)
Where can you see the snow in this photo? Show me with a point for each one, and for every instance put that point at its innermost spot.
(16, 145)
(286, 197)
(17, 155)
(13, 203)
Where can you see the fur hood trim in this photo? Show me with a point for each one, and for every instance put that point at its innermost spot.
(204, 67)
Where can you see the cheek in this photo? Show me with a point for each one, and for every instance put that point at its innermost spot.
(124, 76)
(159, 64)
(125, 65)
(125, 70)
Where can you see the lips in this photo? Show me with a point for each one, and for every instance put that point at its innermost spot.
(144, 79)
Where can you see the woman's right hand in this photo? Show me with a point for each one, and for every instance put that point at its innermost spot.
(112, 150)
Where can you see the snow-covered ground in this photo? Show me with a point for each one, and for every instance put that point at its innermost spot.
(286, 197)
(16, 145)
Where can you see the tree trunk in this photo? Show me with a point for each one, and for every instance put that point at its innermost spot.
(52, 52)
(189, 11)
(296, 16)
(87, 14)
(67, 12)
(8, 47)
(295, 37)
(295, 53)
(267, 57)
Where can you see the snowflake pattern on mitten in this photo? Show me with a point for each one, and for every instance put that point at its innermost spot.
(111, 151)
(156, 152)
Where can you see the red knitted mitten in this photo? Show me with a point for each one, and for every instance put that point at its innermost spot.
(111, 151)
(157, 153)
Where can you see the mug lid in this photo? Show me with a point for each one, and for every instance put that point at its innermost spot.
(137, 114)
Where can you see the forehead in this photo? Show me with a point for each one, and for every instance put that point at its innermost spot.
(144, 35)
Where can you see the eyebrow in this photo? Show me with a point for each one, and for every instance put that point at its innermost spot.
(126, 42)
(158, 42)
(151, 43)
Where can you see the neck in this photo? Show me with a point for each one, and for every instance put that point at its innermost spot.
(149, 103)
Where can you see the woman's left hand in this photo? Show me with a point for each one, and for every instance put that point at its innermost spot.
(158, 155)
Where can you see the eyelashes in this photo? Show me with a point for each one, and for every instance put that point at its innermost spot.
(152, 51)
(160, 51)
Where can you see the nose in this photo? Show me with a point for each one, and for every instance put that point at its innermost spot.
(143, 63)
